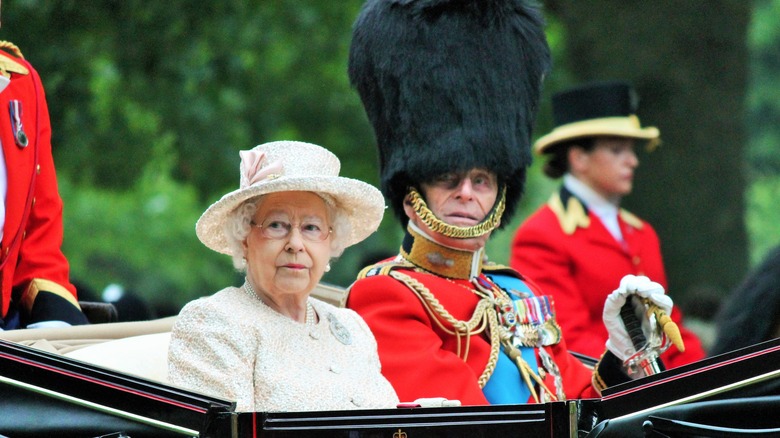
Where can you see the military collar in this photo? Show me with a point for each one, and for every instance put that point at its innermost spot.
(588, 196)
(572, 212)
(421, 251)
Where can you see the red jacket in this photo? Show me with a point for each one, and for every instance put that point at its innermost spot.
(420, 359)
(34, 270)
(579, 267)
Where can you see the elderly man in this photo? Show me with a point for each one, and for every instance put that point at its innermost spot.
(451, 89)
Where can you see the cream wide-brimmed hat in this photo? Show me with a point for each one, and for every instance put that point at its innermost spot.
(596, 109)
(286, 166)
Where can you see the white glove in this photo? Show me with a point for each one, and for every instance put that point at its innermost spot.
(619, 342)
(436, 402)
(429, 402)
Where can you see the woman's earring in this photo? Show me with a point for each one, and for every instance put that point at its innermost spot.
(327, 267)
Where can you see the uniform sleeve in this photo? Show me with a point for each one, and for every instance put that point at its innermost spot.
(410, 350)
(204, 355)
(41, 276)
(539, 253)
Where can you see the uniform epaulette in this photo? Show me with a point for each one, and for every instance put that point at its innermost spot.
(570, 216)
(499, 269)
(383, 268)
(631, 219)
(496, 268)
(8, 65)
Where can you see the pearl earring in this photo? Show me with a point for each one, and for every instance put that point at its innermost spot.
(327, 267)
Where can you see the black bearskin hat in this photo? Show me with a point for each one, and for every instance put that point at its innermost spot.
(449, 85)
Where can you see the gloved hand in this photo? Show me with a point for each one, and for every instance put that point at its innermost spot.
(436, 402)
(429, 402)
(619, 342)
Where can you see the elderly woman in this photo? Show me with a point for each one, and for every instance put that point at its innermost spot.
(268, 344)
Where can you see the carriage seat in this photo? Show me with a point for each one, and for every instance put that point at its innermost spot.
(138, 348)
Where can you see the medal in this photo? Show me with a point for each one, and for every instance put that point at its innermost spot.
(15, 110)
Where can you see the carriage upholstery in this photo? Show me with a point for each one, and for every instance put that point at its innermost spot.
(137, 348)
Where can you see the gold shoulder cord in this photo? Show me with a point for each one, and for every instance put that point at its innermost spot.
(10, 65)
(11, 47)
(484, 316)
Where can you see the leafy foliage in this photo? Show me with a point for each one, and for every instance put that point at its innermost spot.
(142, 237)
(763, 104)
(150, 102)
(764, 93)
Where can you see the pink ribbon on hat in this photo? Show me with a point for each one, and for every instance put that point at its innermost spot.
(252, 166)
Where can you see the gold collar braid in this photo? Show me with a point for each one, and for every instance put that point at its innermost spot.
(437, 225)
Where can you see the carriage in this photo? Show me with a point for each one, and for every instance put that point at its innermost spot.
(109, 380)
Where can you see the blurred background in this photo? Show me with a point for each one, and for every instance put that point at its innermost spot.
(151, 101)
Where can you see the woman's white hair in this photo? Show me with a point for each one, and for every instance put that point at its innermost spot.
(238, 224)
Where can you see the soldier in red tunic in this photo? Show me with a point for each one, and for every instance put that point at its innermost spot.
(578, 245)
(451, 89)
(36, 291)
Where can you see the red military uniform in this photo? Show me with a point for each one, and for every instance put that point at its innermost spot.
(420, 355)
(569, 253)
(35, 285)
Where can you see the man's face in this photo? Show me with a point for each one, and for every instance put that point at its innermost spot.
(462, 199)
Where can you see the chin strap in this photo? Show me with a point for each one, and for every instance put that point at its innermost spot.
(491, 222)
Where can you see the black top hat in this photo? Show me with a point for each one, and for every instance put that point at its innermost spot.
(595, 109)
(449, 85)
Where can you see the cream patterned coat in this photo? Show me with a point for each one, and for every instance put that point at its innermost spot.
(232, 346)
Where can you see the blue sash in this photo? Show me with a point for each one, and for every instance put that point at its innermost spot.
(506, 385)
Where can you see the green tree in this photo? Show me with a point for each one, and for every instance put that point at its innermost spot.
(129, 82)
(763, 159)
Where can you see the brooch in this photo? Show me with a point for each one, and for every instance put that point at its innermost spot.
(339, 331)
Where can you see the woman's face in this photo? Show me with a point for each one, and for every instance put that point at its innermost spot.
(291, 265)
(609, 167)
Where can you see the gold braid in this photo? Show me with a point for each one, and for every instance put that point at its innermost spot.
(12, 47)
(484, 316)
(437, 225)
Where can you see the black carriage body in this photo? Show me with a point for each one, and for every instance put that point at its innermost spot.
(45, 394)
